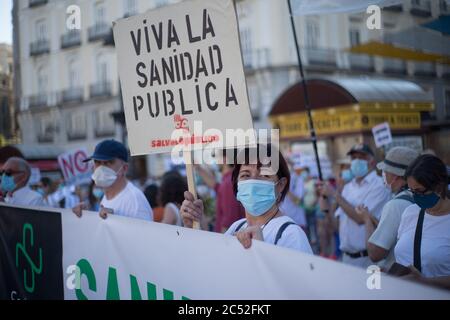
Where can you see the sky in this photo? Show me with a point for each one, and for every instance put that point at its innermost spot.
(5, 21)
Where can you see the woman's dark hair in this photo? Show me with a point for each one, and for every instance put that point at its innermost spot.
(46, 182)
(430, 172)
(172, 188)
(243, 158)
(151, 193)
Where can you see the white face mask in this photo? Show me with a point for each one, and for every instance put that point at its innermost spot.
(104, 177)
(386, 184)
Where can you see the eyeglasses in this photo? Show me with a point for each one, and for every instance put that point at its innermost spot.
(420, 193)
(9, 172)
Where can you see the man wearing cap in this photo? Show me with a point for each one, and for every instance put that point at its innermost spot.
(121, 197)
(365, 190)
(382, 240)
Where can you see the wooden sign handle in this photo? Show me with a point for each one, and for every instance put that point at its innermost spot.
(190, 179)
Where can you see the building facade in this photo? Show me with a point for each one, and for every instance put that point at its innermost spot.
(325, 42)
(67, 85)
(66, 81)
(7, 114)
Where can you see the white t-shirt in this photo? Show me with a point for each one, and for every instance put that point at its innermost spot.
(25, 197)
(293, 236)
(175, 209)
(435, 246)
(289, 208)
(130, 202)
(385, 235)
(371, 193)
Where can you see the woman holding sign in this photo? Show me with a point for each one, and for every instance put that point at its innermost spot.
(261, 187)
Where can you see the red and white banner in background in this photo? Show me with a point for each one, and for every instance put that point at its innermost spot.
(74, 170)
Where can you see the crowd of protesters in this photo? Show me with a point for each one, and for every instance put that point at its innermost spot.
(394, 213)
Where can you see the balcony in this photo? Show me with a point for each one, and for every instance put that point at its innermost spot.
(37, 101)
(394, 66)
(42, 138)
(36, 3)
(76, 135)
(361, 62)
(129, 14)
(424, 69)
(104, 132)
(394, 8)
(39, 47)
(321, 57)
(444, 8)
(71, 39)
(421, 8)
(72, 95)
(99, 31)
(100, 89)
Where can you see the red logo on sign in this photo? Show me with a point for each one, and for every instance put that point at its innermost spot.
(180, 122)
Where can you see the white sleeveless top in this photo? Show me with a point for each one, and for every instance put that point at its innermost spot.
(174, 207)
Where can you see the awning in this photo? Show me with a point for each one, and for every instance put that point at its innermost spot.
(442, 24)
(345, 105)
(394, 51)
(39, 152)
(309, 7)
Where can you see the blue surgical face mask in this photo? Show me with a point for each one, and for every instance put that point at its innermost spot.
(98, 193)
(304, 175)
(426, 201)
(359, 167)
(40, 191)
(8, 184)
(257, 196)
(347, 175)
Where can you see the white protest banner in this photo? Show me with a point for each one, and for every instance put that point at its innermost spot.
(74, 170)
(182, 77)
(382, 134)
(125, 258)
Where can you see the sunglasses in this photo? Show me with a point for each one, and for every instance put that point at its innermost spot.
(9, 172)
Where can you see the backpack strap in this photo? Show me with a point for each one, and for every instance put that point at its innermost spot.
(240, 226)
(405, 197)
(418, 241)
(281, 230)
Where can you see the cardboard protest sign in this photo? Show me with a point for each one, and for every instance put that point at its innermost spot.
(182, 77)
(74, 170)
(382, 134)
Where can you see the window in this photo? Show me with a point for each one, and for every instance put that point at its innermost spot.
(42, 80)
(242, 10)
(73, 74)
(99, 13)
(104, 123)
(41, 30)
(76, 125)
(160, 3)
(312, 33)
(246, 44)
(443, 6)
(130, 7)
(447, 103)
(46, 129)
(101, 69)
(354, 37)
